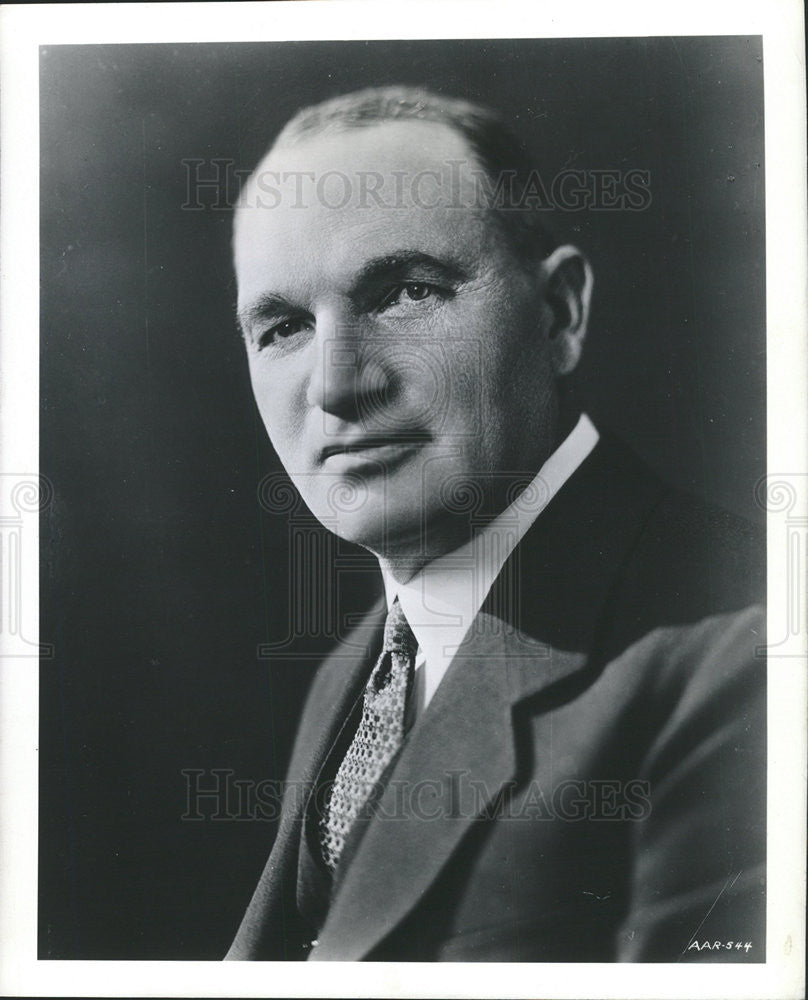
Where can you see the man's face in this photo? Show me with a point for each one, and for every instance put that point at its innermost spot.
(398, 351)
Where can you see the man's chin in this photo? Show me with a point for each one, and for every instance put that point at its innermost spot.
(379, 534)
(401, 540)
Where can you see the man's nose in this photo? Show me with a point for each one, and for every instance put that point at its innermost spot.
(347, 377)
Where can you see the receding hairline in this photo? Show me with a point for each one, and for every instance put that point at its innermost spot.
(283, 144)
(490, 143)
(374, 105)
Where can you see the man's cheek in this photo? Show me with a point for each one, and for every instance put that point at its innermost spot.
(281, 412)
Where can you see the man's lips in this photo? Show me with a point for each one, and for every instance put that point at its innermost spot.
(373, 446)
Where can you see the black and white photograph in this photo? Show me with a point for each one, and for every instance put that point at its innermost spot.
(407, 491)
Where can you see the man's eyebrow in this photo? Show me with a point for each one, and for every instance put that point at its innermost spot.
(264, 306)
(401, 262)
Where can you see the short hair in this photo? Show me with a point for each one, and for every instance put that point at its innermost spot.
(498, 152)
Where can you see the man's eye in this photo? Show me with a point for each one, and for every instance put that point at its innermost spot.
(281, 331)
(417, 291)
(412, 291)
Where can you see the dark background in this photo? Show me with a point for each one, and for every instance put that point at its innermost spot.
(162, 573)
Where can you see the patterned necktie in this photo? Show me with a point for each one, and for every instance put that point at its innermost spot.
(378, 738)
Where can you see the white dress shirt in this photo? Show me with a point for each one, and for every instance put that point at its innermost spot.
(443, 599)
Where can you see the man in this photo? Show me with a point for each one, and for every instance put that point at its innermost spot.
(546, 745)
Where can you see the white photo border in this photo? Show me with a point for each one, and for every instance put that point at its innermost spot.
(780, 23)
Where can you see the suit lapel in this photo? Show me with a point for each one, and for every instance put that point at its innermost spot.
(456, 761)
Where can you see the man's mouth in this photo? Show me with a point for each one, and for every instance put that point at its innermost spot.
(375, 448)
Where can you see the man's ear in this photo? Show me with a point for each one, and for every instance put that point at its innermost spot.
(567, 281)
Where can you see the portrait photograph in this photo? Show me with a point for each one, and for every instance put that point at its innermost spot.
(404, 503)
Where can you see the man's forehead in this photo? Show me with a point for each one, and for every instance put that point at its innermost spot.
(299, 256)
(331, 201)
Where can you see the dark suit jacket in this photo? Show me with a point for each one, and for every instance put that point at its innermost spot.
(587, 783)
